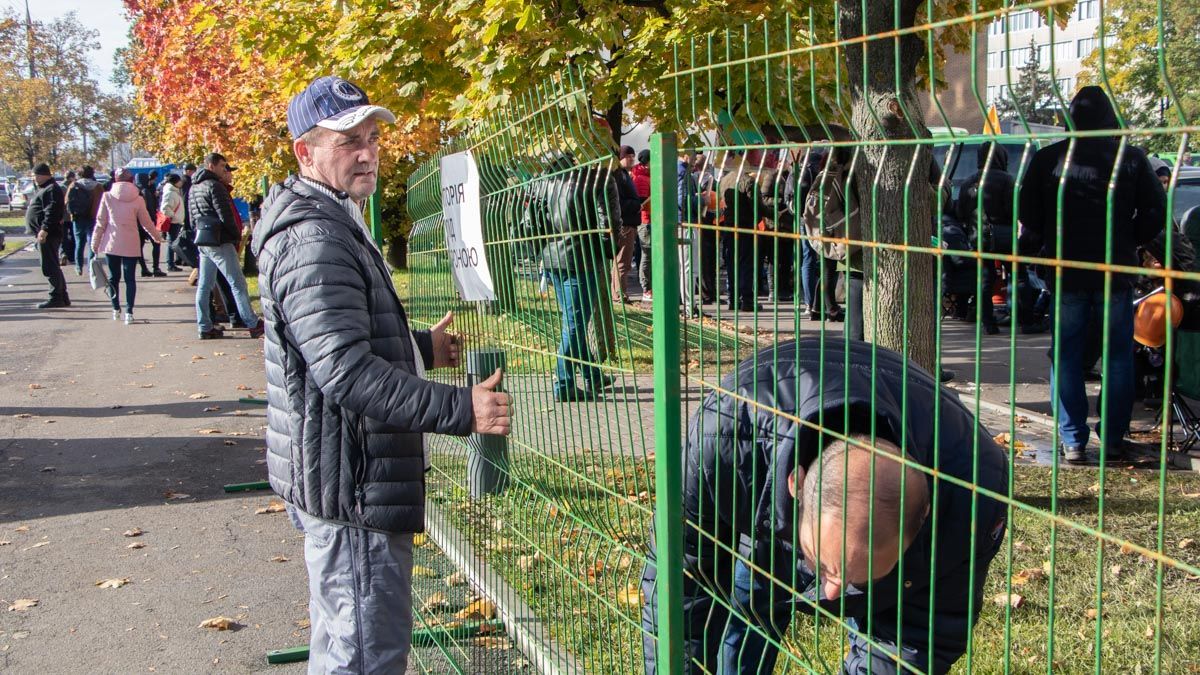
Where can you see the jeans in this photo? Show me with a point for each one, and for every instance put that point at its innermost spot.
(172, 235)
(644, 263)
(810, 265)
(576, 301)
(118, 265)
(68, 243)
(749, 649)
(83, 242)
(1077, 310)
(52, 269)
(221, 259)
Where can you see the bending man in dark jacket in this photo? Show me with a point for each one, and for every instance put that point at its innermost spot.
(1138, 214)
(347, 403)
(211, 211)
(768, 501)
(44, 218)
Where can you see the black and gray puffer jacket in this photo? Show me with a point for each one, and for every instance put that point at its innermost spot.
(346, 408)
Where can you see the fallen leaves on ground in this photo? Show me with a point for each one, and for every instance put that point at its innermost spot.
(22, 416)
(493, 642)
(137, 544)
(22, 604)
(36, 386)
(175, 495)
(631, 596)
(279, 558)
(133, 532)
(208, 431)
(1011, 599)
(1027, 575)
(4, 542)
(23, 528)
(274, 506)
(425, 572)
(213, 408)
(479, 610)
(242, 387)
(304, 623)
(220, 623)
(37, 545)
(113, 583)
(218, 353)
(1184, 543)
(197, 357)
(198, 396)
(434, 602)
(456, 579)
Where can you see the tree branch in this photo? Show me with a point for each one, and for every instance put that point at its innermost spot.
(659, 6)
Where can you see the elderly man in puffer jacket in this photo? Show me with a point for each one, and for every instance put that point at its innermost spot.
(767, 502)
(347, 401)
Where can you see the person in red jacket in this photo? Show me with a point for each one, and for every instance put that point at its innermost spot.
(641, 182)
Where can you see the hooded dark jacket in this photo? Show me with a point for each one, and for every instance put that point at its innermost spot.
(583, 207)
(1139, 203)
(739, 455)
(346, 409)
(210, 211)
(149, 194)
(45, 210)
(993, 190)
(627, 194)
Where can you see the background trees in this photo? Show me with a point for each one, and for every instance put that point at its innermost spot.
(51, 107)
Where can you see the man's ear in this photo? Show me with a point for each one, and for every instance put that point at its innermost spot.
(795, 480)
(303, 156)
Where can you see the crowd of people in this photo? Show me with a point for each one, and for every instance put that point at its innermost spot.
(103, 228)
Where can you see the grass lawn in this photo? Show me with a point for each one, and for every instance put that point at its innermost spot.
(570, 532)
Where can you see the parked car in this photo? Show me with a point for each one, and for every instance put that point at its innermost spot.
(20, 197)
(1187, 192)
(959, 161)
(5, 198)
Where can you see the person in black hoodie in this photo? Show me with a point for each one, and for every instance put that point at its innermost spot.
(1084, 168)
(147, 186)
(986, 205)
(631, 217)
(44, 218)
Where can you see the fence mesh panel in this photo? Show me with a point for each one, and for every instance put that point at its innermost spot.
(870, 328)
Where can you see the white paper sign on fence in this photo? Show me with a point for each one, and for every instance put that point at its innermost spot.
(463, 221)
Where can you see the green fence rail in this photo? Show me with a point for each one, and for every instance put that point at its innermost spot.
(727, 478)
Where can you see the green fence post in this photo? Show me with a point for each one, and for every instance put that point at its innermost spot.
(264, 186)
(668, 518)
(373, 212)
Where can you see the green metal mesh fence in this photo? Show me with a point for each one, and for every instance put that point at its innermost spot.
(818, 499)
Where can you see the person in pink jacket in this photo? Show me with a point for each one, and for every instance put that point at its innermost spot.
(122, 211)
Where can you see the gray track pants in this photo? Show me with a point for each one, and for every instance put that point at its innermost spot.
(360, 597)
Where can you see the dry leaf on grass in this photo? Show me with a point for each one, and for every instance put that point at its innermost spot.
(456, 579)
(279, 558)
(1011, 599)
(1027, 575)
(631, 596)
(37, 545)
(479, 610)
(425, 572)
(137, 544)
(113, 583)
(198, 396)
(134, 532)
(492, 642)
(1184, 543)
(274, 506)
(22, 604)
(220, 623)
(434, 602)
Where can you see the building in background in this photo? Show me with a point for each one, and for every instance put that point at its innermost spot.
(958, 104)
(1008, 45)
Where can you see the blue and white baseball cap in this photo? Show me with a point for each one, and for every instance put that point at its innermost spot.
(332, 103)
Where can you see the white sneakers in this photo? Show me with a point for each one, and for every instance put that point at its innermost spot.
(128, 318)
(116, 315)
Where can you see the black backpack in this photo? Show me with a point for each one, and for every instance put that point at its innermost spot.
(79, 202)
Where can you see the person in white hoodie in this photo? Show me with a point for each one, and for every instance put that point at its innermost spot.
(172, 206)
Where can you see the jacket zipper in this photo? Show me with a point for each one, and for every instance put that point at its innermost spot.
(360, 476)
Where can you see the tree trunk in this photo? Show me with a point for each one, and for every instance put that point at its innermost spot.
(615, 116)
(892, 181)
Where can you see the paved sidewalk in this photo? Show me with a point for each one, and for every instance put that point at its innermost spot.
(107, 428)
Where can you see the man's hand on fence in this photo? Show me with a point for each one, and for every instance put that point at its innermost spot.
(446, 352)
(492, 409)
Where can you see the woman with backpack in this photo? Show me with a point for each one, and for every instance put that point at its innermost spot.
(119, 223)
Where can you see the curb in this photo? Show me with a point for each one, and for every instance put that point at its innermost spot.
(1178, 460)
(15, 251)
(524, 627)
